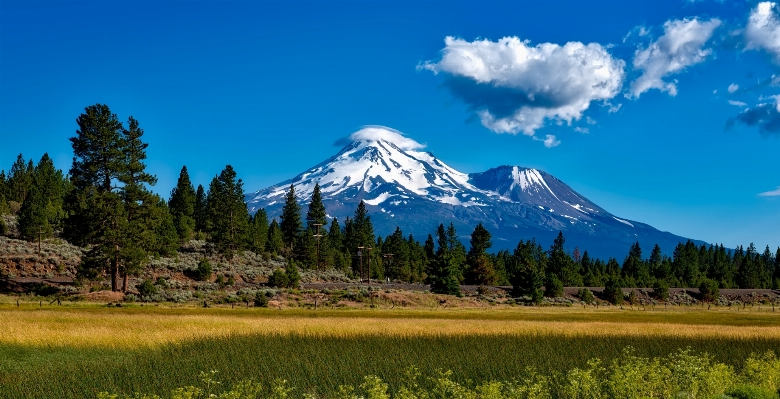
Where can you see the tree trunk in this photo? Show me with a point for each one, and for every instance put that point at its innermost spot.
(115, 271)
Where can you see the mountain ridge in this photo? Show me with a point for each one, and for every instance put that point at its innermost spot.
(411, 189)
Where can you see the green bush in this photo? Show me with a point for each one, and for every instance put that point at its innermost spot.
(147, 288)
(751, 392)
(585, 295)
(278, 279)
(293, 277)
(709, 290)
(661, 290)
(203, 272)
(261, 301)
(553, 288)
(613, 293)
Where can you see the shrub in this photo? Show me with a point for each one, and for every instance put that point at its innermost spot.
(661, 290)
(261, 301)
(537, 297)
(751, 392)
(278, 279)
(203, 272)
(553, 288)
(585, 295)
(709, 290)
(147, 288)
(293, 277)
(613, 293)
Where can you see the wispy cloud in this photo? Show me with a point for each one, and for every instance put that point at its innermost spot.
(773, 193)
(681, 46)
(549, 141)
(733, 87)
(737, 103)
(514, 87)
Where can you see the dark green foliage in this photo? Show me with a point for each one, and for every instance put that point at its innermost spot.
(634, 268)
(274, 243)
(480, 270)
(203, 272)
(751, 392)
(278, 279)
(293, 277)
(182, 206)
(3, 228)
(442, 275)
(261, 301)
(553, 287)
(585, 295)
(661, 290)
(316, 212)
(200, 210)
(290, 223)
(32, 217)
(228, 222)
(20, 178)
(613, 292)
(258, 231)
(147, 288)
(562, 266)
(53, 186)
(97, 149)
(527, 276)
(709, 290)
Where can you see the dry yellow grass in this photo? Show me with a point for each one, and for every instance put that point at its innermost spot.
(147, 327)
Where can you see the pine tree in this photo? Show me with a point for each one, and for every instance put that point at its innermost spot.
(480, 268)
(443, 278)
(259, 231)
(19, 180)
(32, 217)
(528, 275)
(96, 212)
(316, 212)
(182, 206)
(53, 186)
(561, 266)
(291, 219)
(228, 214)
(334, 236)
(635, 270)
(200, 210)
(275, 242)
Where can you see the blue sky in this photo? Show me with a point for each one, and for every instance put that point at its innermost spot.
(661, 111)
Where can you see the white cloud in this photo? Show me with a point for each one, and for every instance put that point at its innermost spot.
(583, 130)
(773, 193)
(733, 87)
(590, 121)
(680, 47)
(737, 103)
(376, 132)
(514, 87)
(549, 141)
(763, 30)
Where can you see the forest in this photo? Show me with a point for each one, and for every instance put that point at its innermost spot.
(105, 204)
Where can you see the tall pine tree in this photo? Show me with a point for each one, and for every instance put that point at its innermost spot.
(182, 206)
(291, 219)
(228, 214)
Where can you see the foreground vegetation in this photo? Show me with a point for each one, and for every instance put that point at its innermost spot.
(682, 374)
(78, 352)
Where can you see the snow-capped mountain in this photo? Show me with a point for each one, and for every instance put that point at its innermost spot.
(415, 191)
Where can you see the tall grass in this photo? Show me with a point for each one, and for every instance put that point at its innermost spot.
(78, 353)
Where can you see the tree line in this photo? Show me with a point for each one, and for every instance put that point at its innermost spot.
(105, 205)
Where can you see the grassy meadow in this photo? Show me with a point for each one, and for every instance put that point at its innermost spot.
(77, 351)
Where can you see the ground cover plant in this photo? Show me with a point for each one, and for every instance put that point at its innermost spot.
(78, 351)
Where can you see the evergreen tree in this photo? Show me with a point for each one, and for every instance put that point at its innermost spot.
(316, 212)
(228, 214)
(19, 180)
(53, 187)
(443, 277)
(200, 210)
(430, 248)
(291, 219)
(275, 242)
(334, 235)
(528, 275)
(635, 271)
(32, 217)
(480, 268)
(137, 199)
(441, 236)
(561, 265)
(96, 212)
(182, 206)
(259, 231)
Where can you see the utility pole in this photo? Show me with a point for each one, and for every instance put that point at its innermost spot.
(369, 264)
(360, 255)
(318, 235)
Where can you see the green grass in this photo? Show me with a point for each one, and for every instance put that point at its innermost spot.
(321, 364)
